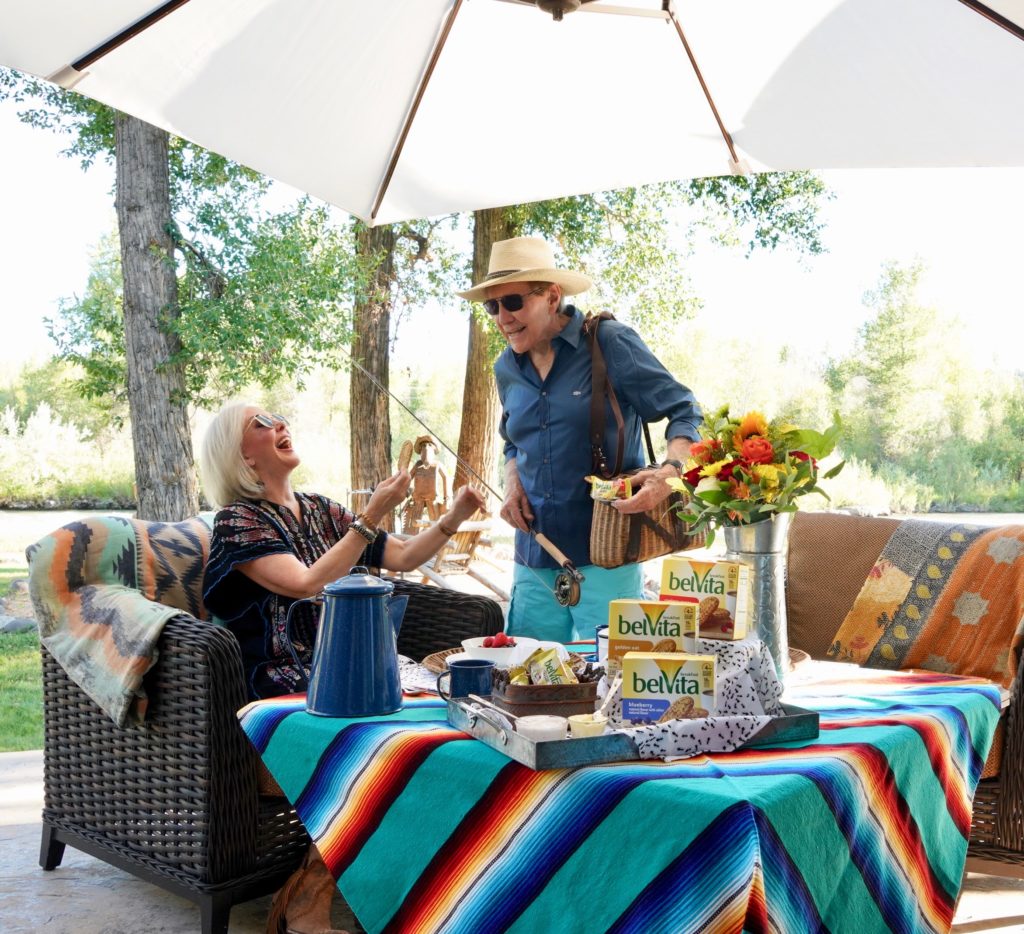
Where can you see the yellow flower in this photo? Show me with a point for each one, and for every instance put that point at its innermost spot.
(753, 423)
(676, 484)
(712, 470)
(769, 477)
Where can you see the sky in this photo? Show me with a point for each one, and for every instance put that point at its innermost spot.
(967, 225)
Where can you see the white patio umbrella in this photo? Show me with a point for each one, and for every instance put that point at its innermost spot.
(394, 109)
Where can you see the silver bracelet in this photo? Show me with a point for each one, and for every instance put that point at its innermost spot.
(359, 526)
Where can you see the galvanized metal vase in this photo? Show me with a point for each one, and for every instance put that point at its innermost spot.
(762, 546)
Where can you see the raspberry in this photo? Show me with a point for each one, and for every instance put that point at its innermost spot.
(489, 642)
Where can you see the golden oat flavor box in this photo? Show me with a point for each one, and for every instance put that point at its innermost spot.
(719, 589)
(662, 686)
(650, 626)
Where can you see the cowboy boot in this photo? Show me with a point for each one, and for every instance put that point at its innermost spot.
(303, 904)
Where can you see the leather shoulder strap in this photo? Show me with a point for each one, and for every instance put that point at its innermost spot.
(601, 388)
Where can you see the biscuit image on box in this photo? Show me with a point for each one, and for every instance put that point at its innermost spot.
(660, 686)
(649, 626)
(720, 591)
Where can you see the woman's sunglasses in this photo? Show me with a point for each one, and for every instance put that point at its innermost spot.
(509, 302)
(267, 421)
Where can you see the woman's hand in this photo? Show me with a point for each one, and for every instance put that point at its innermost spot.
(386, 496)
(516, 510)
(467, 501)
(653, 489)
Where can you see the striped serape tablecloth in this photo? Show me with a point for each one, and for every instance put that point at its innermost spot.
(863, 829)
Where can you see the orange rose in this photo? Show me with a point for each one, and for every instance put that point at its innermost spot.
(757, 450)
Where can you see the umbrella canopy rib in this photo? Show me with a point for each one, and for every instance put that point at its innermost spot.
(127, 34)
(733, 157)
(1009, 25)
(407, 123)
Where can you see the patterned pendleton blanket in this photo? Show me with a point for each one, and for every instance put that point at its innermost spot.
(863, 829)
(102, 591)
(944, 597)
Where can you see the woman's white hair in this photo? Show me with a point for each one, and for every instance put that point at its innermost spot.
(226, 476)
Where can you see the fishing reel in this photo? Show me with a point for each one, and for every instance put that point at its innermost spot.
(567, 586)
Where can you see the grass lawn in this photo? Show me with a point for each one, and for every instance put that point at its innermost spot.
(21, 713)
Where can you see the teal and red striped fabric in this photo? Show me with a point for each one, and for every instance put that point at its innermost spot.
(863, 829)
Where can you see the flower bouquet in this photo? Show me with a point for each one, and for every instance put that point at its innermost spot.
(746, 471)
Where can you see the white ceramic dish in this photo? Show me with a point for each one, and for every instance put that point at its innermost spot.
(542, 728)
(505, 656)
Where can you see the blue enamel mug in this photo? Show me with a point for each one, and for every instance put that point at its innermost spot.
(466, 676)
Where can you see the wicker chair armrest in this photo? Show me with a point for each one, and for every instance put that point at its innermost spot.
(180, 787)
(1010, 818)
(438, 619)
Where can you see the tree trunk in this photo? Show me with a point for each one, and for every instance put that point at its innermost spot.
(369, 418)
(165, 477)
(480, 410)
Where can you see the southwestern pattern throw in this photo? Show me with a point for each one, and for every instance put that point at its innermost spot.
(945, 597)
(102, 590)
(863, 829)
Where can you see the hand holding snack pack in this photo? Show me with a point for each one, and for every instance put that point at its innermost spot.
(607, 491)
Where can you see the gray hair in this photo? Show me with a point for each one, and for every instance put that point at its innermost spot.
(226, 476)
(563, 302)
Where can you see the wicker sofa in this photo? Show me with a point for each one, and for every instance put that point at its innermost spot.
(175, 801)
(829, 558)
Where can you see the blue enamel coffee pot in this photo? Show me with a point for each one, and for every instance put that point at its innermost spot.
(355, 660)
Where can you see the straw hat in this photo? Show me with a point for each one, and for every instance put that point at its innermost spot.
(525, 259)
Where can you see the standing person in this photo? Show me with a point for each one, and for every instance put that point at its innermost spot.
(271, 546)
(544, 385)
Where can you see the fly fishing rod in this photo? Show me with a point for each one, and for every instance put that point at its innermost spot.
(567, 583)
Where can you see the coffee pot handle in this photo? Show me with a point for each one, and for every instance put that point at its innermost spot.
(318, 599)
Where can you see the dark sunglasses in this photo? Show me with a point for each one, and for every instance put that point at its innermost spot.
(510, 302)
(267, 421)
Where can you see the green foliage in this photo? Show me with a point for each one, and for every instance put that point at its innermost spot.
(21, 686)
(914, 403)
(634, 245)
(46, 461)
(59, 384)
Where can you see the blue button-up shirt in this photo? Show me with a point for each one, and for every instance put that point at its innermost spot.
(546, 427)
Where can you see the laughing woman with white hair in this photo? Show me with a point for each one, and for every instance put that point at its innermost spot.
(271, 546)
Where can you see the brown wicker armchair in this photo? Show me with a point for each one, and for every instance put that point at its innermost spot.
(175, 801)
(829, 558)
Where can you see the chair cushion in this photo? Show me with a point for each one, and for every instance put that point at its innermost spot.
(830, 555)
(944, 597)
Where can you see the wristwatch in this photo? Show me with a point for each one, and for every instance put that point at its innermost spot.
(677, 464)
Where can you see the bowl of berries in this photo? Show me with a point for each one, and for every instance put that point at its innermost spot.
(500, 648)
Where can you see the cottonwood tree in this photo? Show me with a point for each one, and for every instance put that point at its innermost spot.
(215, 291)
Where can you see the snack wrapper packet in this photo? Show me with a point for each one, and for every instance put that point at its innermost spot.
(547, 667)
(608, 490)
